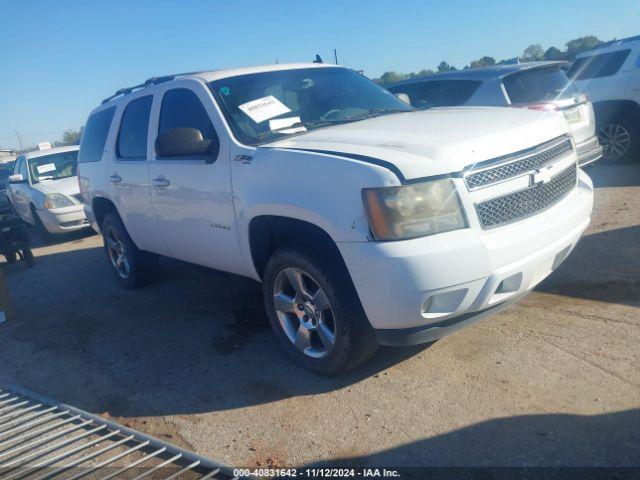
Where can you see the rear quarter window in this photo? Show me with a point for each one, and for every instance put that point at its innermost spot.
(597, 66)
(438, 93)
(95, 135)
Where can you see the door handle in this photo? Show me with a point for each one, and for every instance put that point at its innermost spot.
(160, 182)
(115, 178)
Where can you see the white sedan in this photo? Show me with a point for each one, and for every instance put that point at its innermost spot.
(44, 190)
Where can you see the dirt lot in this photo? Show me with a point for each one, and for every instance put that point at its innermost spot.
(552, 381)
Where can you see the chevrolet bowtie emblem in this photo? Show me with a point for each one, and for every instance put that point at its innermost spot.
(541, 176)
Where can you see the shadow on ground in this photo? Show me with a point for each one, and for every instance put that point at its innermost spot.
(605, 266)
(531, 440)
(615, 174)
(196, 341)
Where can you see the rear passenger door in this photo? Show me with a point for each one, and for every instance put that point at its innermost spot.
(129, 175)
(192, 194)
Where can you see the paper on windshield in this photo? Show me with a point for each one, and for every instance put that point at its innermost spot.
(47, 167)
(280, 124)
(264, 108)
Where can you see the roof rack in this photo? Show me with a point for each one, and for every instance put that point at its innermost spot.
(148, 82)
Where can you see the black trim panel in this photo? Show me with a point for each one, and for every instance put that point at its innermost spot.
(376, 161)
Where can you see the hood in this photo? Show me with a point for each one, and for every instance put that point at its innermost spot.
(67, 186)
(435, 141)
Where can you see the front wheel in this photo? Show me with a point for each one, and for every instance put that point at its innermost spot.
(315, 313)
(132, 267)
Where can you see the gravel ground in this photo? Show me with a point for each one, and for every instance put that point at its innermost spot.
(554, 380)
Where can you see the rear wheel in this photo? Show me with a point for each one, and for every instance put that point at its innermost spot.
(620, 139)
(132, 267)
(315, 313)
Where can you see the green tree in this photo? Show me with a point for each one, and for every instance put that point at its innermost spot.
(533, 53)
(69, 137)
(483, 62)
(553, 53)
(445, 67)
(581, 44)
(387, 78)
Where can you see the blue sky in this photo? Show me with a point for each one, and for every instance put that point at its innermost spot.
(59, 58)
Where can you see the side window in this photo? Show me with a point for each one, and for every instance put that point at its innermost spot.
(134, 127)
(95, 135)
(181, 108)
(16, 167)
(23, 169)
(597, 66)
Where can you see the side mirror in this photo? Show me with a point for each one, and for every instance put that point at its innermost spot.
(185, 142)
(404, 97)
(16, 178)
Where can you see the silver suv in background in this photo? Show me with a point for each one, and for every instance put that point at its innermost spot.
(610, 76)
(534, 85)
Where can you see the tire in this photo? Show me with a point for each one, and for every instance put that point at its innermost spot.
(620, 138)
(312, 322)
(132, 267)
(27, 256)
(11, 257)
(44, 234)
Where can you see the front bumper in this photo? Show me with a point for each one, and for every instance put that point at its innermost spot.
(446, 281)
(63, 220)
(589, 151)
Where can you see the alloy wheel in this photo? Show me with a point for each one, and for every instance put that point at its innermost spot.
(304, 312)
(615, 139)
(117, 253)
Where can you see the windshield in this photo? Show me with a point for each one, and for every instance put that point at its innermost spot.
(54, 166)
(264, 107)
(538, 85)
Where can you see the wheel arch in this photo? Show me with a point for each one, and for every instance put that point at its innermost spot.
(267, 233)
(608, 110)
(101, 207)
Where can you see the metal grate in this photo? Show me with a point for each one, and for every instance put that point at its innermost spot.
(513, 169)
(42, 439)
(524, 203)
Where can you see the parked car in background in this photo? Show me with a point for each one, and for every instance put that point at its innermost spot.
(44, 190)
(610, 76)
(368, 222)
(6, 169)
(536, 85)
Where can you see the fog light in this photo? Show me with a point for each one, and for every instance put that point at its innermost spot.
(443, 304)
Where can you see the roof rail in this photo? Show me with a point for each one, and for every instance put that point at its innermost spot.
(148, 82)
(620, 41)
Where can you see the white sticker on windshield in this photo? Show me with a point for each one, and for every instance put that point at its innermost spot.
(281, 124)
(264, 108)
(47, 167)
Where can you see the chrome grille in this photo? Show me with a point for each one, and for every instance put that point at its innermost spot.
(513, 169)
(524, 203)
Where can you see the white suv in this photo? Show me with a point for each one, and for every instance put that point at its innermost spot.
(610, 76)
(366, 221)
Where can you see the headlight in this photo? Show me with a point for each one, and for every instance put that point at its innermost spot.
(57, 200)
(410, 211)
